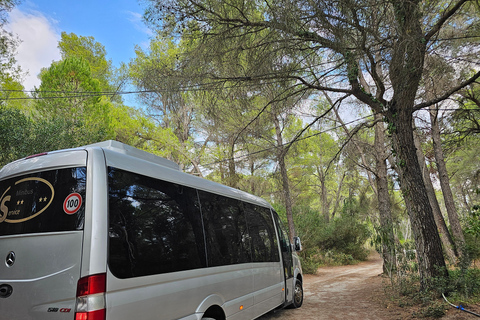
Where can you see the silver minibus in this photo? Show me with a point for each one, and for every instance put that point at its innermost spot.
(110, 232)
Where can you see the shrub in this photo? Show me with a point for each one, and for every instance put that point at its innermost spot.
(464, 283)
(345, 235)
(339, 242)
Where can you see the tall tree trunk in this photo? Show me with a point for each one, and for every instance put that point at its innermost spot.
(387, 234)
(384, 205)
(430, 258)
(232, 180)
(281, 152)
(323, 195)
(252, 171)
(405, 72)
(445, 236)
(338, 197)
(445, 184)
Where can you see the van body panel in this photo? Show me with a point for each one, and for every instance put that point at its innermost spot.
(124, 149)
(45, 241)
(59, 159)
(268, 280)
(180, 294)
(269, 287)
(96, 220)
(173, 293)
(43, 277)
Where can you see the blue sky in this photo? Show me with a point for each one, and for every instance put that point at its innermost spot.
(117, 24)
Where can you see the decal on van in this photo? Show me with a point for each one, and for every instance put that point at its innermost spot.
(72, 203)
(63, 310)
(14, 212)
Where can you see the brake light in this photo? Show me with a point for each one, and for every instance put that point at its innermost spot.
(37, 155)
(91, 298)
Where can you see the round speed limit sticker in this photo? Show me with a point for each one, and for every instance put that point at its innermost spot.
(72, 203)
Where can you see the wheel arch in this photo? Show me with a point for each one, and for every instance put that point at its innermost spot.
(211, 307)
(299, 276)
(214, 312)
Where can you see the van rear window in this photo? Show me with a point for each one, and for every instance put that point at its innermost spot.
(48, 201)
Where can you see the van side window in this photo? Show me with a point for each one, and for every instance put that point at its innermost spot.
(225, 230)
(262, 234)
(154, 226)
(285, 247)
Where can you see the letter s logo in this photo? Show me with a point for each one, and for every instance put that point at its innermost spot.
(3, 207)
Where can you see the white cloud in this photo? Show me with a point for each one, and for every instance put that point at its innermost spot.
(39, 43)
(137, 21)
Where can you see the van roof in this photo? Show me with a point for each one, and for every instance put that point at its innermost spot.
(134, 152)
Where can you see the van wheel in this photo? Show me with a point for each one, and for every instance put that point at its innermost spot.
(298, 294)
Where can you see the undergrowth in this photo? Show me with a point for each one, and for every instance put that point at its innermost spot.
(339, 242)
(461, 288)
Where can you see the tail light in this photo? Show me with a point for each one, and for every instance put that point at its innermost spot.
(91, 298)
(37, 155)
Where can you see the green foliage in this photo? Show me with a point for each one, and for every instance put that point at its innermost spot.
(464, 284)
(473, 222)
(60, 133)
(236, 120)
(22, 135)
(86, 48)
(11, 93)
(340, 242)
(70, 79)
(345, 235)
(8, 41)
(472, 232)
(472, 243)
(308, 223)
(69, 105)
(435, 309)
(405, 291)
(15, 135)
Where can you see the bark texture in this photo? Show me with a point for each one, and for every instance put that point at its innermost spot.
(281, 152)
(427, 241)
(384, 205)
(457, 232)
(443, 232)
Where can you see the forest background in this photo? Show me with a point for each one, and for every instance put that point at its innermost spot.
(358, 120)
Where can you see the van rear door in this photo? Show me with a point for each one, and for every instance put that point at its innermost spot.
(41, 232)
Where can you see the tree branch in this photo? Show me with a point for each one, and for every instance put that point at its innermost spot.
(448, 93)
(446, 15)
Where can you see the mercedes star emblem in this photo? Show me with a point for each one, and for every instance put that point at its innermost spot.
(10, 260)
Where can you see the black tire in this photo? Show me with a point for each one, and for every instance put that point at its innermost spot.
(297, 295)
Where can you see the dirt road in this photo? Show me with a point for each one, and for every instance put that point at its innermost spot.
(339, 293)
(353, 292)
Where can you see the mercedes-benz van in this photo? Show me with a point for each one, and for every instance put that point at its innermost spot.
(110, 232)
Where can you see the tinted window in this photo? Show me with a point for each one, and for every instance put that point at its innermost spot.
(228, 241)
(48, 201)
(285, 247)
(155, 226)
(262, 233)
